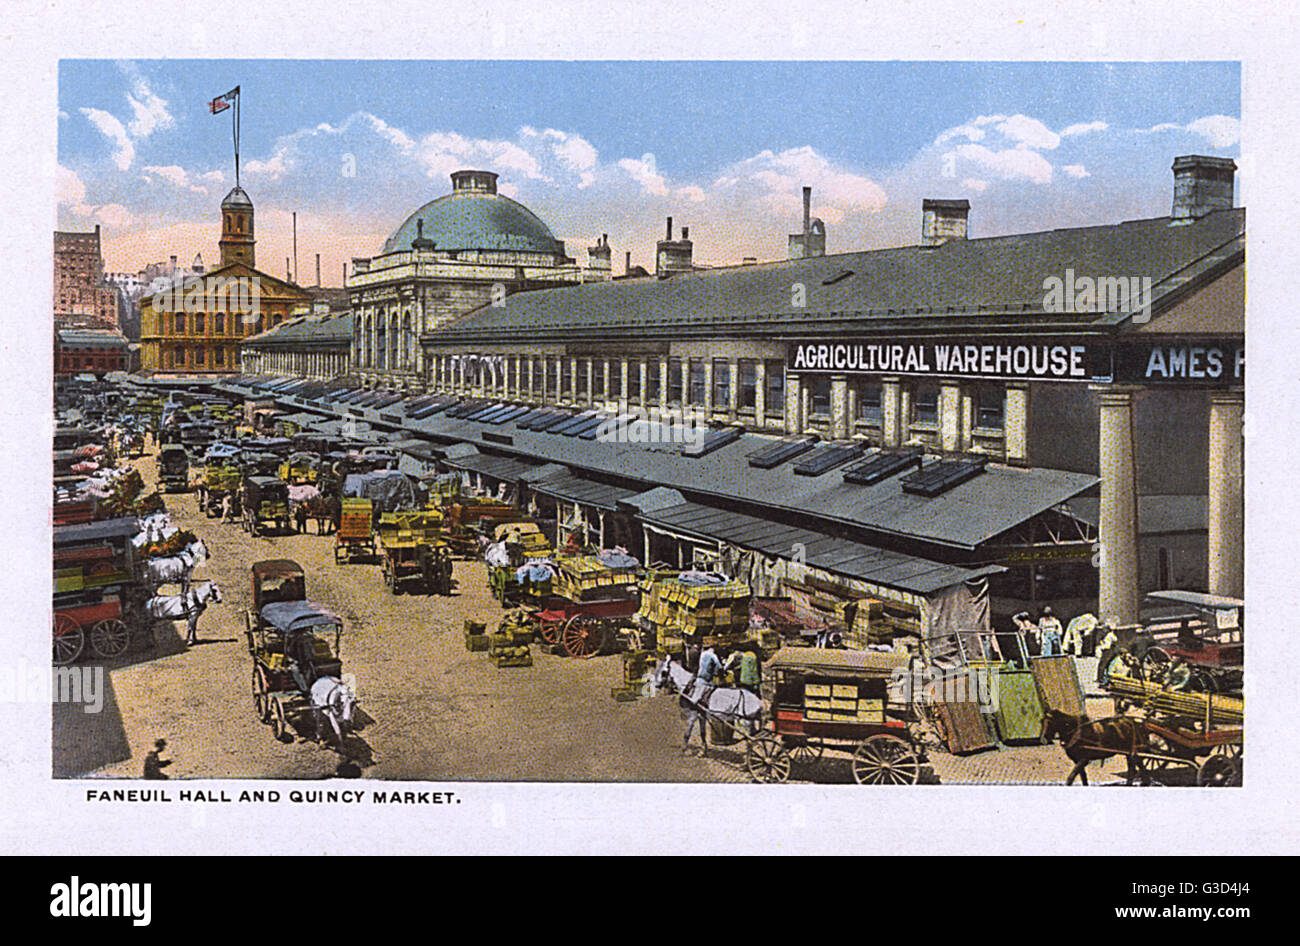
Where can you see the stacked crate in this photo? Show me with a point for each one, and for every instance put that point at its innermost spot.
(586, 578)
(476, 637)
(510, 645)
(867, 627)
(637, 667)
(697, 614)
(843, 701)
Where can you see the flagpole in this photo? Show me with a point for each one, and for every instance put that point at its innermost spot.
(236, 124)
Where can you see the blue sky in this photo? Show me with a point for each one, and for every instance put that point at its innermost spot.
(614, 147)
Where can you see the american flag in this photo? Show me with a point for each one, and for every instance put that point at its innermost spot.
(222, 102)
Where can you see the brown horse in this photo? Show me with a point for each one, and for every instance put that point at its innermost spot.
(1086, 741)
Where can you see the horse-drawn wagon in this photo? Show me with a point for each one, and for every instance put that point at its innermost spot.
(296, 667)
(836, 700)
(355, 535)
(412, 550)
(95, 589)
(265, 500)
(596, 597)
(694, 609)
(173, 468)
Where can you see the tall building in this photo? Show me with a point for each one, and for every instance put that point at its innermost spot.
(453, 254)
(193, 324)
(81, 297)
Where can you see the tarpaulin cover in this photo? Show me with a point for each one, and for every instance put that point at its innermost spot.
(702, 578)
(389, 490)
(616, 558)
(535, 572)
(301, 494)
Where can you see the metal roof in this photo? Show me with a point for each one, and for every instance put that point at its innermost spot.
(576, 489)
(96, 531)
(989, 282)
(501, 468)
(840, 556)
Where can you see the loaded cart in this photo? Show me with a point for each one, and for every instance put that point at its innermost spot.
(295, 644)
(412, 550)
(837, 701)
(96, 593)
(695, 609)
(356, 530)
(596, 597)
(265, 501)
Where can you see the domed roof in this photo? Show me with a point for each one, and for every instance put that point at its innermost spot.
(476, 219)
(236, 198)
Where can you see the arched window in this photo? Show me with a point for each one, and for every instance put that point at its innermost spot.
(409, 338)
(381, 344)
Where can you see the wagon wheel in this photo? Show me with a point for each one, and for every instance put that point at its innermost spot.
(260, 699)
(767, 760)
(583, 636)
(885, 760)
(1219, 770)
(802, 749)
(110, 638)
(279, 721)
(1167, 757)
(1204, 681)
(1153, 663)
(69, 640)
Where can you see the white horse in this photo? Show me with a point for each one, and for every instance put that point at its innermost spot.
(157, 528)
(176, 568)
(701, 702)
(189, 604)
(334, 700)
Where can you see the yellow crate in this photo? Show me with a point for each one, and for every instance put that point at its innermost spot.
(844, 692)
(877, 718)
(816, 689)
(816, 704)
(850, 705)
(818, 716)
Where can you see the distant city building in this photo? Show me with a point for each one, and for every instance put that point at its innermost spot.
(192, 323)
(81, 297)
(89, 351)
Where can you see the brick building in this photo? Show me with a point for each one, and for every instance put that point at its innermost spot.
(81, 297)
(89, 351)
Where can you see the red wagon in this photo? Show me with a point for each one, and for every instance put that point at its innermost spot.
(585, 628)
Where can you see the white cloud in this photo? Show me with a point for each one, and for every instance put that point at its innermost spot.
(644, 173)
(1075, 170)
(177, 175)
(114, 215)
(975, 185)
(274, 167)
(70, 191)
(107, 125)
(149, 110)
(1011, 164)
(1029, 132)
(1083, 128)
(1221, 130)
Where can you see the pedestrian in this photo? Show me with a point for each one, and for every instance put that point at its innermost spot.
(743, 662)
(1049, 633)
(710, 666)
(154, 763)
(227, 508)
(300, 517)
(1075, 632)
(1025, 630)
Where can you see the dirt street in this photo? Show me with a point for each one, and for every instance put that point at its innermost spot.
(430, 710)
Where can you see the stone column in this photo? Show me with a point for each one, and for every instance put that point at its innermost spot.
(1015, 422)
(760, 393)
(839, 406)
(966, 441)
(1119, 596)
(950, 416)
(1226, 532)
(708, 387)
(793, 404)
(733, 388)
(890, 411)
(904, 414)
(624, 366)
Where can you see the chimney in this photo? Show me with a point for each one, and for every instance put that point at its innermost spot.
(318, 269)
(288, 273)
(673, 256)
(1201, 184)
(598, 258)
(627, 265)
(811, 241)
(943, 221)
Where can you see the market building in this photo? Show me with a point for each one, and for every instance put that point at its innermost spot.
(89, 351)
(1113, 350)
(194, 326)
(452, 255)
(315, 345)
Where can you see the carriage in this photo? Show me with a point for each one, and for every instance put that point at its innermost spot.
(412, 550)
(294, 644)
(96, 593)
(265, 499)
(221, 478)
(174, 468)
(595, 600)
(273, 580)
(355, 535)
(1204, 631)
(300, 469)
(838, 701)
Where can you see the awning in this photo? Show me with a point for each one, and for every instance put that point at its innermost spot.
(500, 468)
(575, 489)
(839, 556)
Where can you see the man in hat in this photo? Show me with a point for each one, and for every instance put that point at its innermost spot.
(154, 763)
(743, 662)
(1049, 633)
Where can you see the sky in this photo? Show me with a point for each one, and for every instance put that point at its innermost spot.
(354, 147)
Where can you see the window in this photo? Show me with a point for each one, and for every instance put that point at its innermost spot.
(552, 377)
(180, 323)
(989, 407)
(219, 323)
(748, 393)
(697, 389)
(652, 379)
(180, 356)
(721, 383)
(819, 395)
(199, 320)
(925, 404)
(198, 356)
(634, 379)
(566, 377)
(584, 377)
(219, 356)
(599, 387)
(675, 380)
(869, 401)
(774, 396)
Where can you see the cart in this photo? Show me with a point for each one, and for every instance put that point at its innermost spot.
(836, 700)
(411, 550)
(265, 499)
(300, 469)
(355, 535)
(596, 598)
(273, 580)
(173, 468)
(219, 481)
(1205, 631)
(95, 593)
(295, 643)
